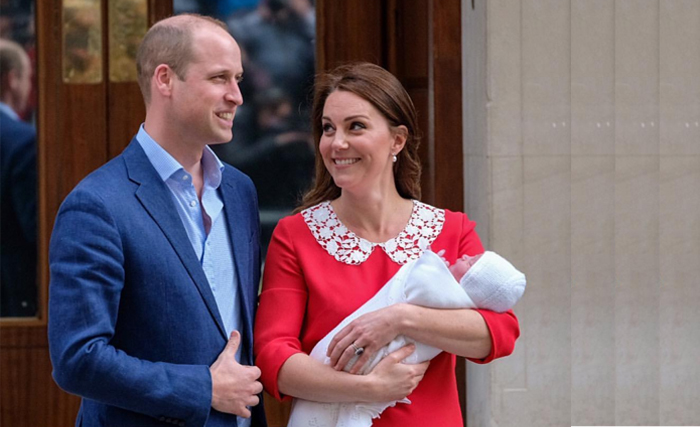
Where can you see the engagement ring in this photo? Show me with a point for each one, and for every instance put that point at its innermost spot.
(358, 350)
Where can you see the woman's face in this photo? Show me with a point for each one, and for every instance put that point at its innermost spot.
(357, 144)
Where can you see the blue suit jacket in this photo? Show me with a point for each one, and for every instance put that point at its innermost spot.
(133, 324)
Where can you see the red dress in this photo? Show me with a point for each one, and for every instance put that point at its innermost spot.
(317, 273)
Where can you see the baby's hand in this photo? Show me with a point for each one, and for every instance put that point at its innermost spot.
(441, 254)
(459, 268)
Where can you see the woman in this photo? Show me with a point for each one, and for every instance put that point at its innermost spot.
(326, 261)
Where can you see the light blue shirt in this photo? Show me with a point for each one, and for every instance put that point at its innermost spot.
(9, 111)
(213, 249)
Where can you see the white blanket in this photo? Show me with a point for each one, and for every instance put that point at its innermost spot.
(415, 283)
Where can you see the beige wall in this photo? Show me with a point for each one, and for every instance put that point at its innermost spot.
(582, 166)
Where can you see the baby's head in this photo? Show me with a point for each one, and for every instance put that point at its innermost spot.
(462, 265)
(491, 282)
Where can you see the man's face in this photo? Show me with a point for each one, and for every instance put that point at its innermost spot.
(24, 85)
(204, 103)
(19, 85)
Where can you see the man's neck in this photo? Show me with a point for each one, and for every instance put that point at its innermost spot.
(188, 155)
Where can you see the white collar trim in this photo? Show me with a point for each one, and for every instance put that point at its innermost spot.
(345, 246)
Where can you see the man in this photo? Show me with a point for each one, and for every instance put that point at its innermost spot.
(18, 289)
(154, 257)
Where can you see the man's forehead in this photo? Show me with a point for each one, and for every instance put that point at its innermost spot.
(209, 31)
(204, 42)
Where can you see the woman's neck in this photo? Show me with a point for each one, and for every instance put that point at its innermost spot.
(374, 217)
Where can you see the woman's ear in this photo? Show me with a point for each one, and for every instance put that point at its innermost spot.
(400, 138)
(163, 80)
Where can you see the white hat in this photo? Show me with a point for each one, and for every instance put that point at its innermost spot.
(493, 283)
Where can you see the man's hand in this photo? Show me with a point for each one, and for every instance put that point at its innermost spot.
(234, 386)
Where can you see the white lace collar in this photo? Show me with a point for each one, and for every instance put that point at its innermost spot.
(345, 246)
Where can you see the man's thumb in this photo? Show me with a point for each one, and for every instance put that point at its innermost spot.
(233, 342)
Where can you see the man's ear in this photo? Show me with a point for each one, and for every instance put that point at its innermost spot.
(400, 138)
(13, 78)
(162, 81)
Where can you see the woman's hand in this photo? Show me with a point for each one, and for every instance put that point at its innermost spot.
(393, 380)
(370, 332)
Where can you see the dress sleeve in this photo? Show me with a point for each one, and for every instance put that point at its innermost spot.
(503, 327)
(281, 311)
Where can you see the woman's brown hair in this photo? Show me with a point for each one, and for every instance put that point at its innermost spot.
(380, 88)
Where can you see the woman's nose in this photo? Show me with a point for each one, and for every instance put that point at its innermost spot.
(339, 141)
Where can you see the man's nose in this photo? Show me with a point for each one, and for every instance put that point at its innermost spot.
(234, 94)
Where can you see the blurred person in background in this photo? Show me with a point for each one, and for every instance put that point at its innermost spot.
(18, 250)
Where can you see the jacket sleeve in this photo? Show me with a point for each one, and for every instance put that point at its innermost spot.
(281, 312)
(87, 278)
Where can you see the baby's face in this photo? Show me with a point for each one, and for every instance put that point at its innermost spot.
(462, 265)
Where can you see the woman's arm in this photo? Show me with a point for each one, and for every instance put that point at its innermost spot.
(461, 332)
(304, 377)
(480, 335)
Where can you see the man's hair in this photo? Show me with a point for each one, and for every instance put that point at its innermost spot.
(169, 42)
(12, 58)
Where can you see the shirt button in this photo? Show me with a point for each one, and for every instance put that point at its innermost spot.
(184, 177)
(193, 203)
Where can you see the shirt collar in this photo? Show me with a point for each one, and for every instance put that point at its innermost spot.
(9, 111)
(166, 165)
(213, 168)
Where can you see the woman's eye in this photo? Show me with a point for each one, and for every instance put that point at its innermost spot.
(357, 126)
(327, 128)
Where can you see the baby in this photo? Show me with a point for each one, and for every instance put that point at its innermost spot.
(483, 281)
(494, 283)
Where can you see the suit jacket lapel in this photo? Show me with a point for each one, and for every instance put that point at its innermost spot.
(237, 213)
(156, 199)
